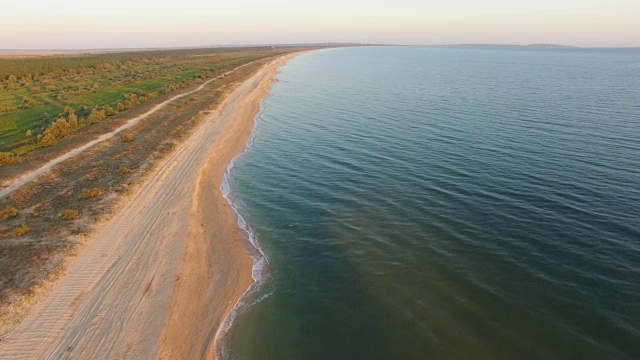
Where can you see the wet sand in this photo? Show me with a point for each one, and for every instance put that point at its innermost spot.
(159, 279)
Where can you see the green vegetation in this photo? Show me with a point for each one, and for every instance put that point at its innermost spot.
(43, 100)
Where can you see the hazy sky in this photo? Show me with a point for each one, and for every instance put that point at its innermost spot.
(55, 24)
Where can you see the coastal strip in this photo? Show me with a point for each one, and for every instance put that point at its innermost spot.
(218, 258)
(161, 277)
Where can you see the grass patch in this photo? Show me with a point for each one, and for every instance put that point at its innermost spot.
(69, 214)
(19, 231)
(90, 193)
(8, 212)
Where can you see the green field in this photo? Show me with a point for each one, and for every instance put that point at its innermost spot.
(35, 91)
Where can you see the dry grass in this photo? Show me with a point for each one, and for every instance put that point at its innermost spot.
(19, 231)
(124, 171)
(7, 158)
(127, 137)
(90, 193)
(93, 175)
(69, 214)
(8, 212)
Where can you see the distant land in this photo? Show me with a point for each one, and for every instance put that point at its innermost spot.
(23, 53)
(94, 51)
(504, 46)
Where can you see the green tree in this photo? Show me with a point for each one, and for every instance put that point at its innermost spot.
(45, 119)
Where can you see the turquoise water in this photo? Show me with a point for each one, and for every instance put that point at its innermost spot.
(422, 203)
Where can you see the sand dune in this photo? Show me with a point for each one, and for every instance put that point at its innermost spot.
(158, 280)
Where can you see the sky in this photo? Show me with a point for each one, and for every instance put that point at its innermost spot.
(90, 24)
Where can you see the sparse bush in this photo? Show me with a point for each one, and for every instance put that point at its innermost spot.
(19, 231)
(47, 140)
(29, 103)
(29, 136)
(92, 175)
(90, 193)
(124, 171)
(127, 137)
(69, 214)
(8, 212)
(110, 111)
(96, 116)
(8, 158)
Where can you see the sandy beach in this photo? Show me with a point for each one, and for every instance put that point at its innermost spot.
(159, 279)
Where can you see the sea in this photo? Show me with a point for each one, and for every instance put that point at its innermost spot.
(443, 203)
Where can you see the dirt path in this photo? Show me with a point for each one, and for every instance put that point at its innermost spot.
(158, 279)
(31, 175)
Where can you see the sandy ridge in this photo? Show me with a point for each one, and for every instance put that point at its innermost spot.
(159, 279)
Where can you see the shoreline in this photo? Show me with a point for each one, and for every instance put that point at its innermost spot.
(160, 278)
(224, 250)
(260, 263)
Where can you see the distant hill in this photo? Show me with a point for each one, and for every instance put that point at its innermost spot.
(550, 46)
(503, 46)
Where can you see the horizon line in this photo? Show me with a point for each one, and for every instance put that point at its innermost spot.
(345, 44)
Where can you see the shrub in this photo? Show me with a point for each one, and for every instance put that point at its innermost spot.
(90, 193)
(124, 171)
(96, 116)
(92, 175)
(48, 140)
(8, 158)
(110, 111)
(29, 103)
(8, 212)
(69, 214)
(127, 137)
(19, 231)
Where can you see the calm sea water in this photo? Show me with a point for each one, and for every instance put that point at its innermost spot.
(421, 203)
